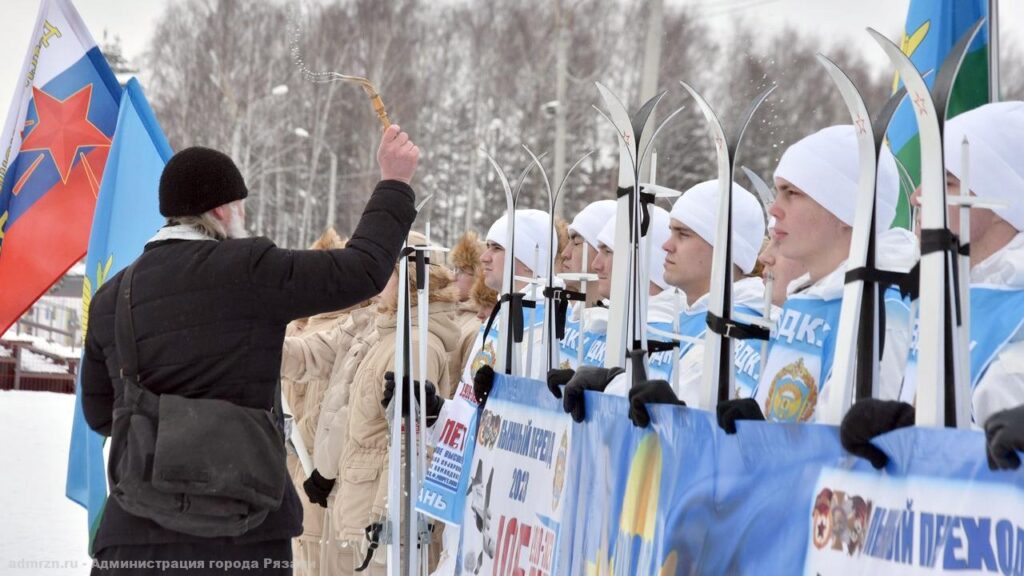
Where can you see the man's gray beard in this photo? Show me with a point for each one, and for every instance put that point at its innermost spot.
(235, 228)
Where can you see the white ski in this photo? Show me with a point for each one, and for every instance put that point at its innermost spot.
(397, 498)
(717, 377)
(857, 352)
(939, 378)
(627, 335)
(767, 197)
(550, 308)
(508, 352)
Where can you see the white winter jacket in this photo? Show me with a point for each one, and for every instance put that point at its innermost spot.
(746, 292)
(1002, 386)
(897, 251)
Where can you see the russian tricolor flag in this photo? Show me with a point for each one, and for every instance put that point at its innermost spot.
(54, 150)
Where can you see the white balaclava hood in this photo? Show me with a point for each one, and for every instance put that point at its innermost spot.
(697, 209)
(591, 219)
(532, 234)
(995, 134)
(826, 166)
(657, 233)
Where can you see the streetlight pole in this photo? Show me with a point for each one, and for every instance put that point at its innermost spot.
(332, 188)
(276, 91)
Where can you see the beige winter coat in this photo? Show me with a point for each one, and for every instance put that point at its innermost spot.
(469, 327)
(363, 485)
(304, 391)
(347, 345)
(307, 380)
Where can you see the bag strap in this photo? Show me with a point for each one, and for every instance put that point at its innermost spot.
(124, 335)
(124, 329)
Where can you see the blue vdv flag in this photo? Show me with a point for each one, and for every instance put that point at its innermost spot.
(127, 215)
(933, 27)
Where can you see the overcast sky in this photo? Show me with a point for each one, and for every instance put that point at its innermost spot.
(833, 20)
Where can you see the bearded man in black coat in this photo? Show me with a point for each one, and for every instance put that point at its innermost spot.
(209, 310)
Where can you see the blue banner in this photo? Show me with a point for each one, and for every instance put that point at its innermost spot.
(683, 497)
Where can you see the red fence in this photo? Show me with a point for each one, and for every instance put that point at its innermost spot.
(15, 376)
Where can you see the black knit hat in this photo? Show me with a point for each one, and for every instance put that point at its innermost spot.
(198, 179)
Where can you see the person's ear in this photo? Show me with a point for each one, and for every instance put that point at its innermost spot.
(221, 212)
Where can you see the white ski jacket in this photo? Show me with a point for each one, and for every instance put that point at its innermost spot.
(1002, 386)
(896, 250)
(747, 292)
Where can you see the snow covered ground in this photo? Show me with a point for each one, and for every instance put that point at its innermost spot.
(41, 532)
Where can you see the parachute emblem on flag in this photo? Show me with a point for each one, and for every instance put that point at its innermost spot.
(909, 45)
(793, 394)
(88, 290)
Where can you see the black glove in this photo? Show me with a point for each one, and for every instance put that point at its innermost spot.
(649, 392)
(483, 382)
(741, 409)
(1004, 432)
(558, 377)
(870, 418)
(318, 488)
(432, 405)
(586, 378)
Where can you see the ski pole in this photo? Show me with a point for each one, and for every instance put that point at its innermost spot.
(769, 287)
(298, 444)
(676, 311)
(583, 306)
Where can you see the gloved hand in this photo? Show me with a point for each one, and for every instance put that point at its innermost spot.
(432, 405)
(558, 377)
(650, 392)
(740, 409)
(586, 378)
(868, 419)
(1004, 432)
(483, 382)
(318, 488)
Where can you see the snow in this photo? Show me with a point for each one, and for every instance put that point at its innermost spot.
(39, 364)
(44, 345)
(39, 523)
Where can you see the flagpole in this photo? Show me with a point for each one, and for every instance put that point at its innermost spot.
(993, 50)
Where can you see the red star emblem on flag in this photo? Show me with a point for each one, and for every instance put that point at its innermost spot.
(64, 128)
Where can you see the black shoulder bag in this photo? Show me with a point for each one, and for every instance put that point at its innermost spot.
(203, 467)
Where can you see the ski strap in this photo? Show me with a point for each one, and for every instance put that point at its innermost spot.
(636, 357)
(560, 298)
(645, 199)
(905, 282)
(516, 304)
(655, 346)
(938, 240)
(373, 532)
(729, 328)
(943, 240)
(124, 329)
